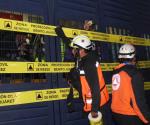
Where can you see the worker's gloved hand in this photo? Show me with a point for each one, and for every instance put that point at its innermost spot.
(60, 32)
(70, 107)
(94, 114)
(88, 24)
(70, 104)
(95, 118)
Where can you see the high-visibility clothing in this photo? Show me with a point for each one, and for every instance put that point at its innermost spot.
(86, 91)
(128, 92)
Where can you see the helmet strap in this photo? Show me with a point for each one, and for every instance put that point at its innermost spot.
(76, 53)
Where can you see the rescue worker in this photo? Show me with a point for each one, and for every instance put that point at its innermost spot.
(93, 89)
(128, 102)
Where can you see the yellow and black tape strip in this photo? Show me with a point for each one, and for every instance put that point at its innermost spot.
(25, 97)
(35, 67)
(97, 36)
(52, 67)
(147, 85)
(20, 26)
(34, 96)
(143, 64)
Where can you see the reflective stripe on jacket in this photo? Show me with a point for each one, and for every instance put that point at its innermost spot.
(86, 91)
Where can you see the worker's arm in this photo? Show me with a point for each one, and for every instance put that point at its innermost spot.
(60, 33)
(92, 78)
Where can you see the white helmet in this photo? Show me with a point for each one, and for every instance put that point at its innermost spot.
(126, 51)
(81, 41)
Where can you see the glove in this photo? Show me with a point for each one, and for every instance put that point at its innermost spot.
(94, 114)
(96, 119)
(70, 104)
(60, 32)
(70, 107)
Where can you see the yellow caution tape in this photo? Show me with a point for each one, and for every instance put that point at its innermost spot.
(34, 96)
(52, 67)
(35, 67)
(20, 26)
(97, 36)
(143, 64)
(24, 97)
(147, 85)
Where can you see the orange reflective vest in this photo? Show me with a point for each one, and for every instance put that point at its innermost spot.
(123, 94)
(86, 91)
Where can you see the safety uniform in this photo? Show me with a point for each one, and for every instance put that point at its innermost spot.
(94, 91)
(86, 91)
(128, 93)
